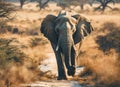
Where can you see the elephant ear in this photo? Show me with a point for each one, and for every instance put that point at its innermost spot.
(83, 28)
(48, 28)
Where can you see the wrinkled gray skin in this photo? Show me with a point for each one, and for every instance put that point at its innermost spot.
(64, 31)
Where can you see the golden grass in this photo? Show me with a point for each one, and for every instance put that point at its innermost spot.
(100, 51)
(15, 73)
(104, 69)
(103, 65)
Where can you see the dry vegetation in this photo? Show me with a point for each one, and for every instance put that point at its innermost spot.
(22, 47)
(100, 52)
(19, 58)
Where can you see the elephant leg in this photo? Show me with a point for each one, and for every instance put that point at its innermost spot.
(61, 69)
(73, 55)
(67, 54)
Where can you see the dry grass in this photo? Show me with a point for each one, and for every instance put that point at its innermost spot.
(20, 65)
(29, 41)
(100, 51)
(104, 69)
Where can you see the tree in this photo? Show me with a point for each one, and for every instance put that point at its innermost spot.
(42, 3)
(22, 2)
(64, 3)
(104, 4)
(83, 2)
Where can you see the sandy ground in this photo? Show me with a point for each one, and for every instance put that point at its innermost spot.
(49, 65)
(30, 17)
(54, 83)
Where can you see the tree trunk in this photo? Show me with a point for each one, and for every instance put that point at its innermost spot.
(82, 6)
(21, 3)
(42, 5)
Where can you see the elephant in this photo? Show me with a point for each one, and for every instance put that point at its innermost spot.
(64, 31)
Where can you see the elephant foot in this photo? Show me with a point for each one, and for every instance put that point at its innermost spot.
(71, 71)
(61, 78)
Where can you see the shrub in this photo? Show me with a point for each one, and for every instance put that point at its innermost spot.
(104, 64)
(15, 66)
(38, 41)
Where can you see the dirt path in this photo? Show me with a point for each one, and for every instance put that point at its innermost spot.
(49, 64)
(54, 83)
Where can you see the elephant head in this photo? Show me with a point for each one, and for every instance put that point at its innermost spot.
(65, 28)
(64, 31)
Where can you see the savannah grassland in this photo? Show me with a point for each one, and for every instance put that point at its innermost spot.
(22, 50)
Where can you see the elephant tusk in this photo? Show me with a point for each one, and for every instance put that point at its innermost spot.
(57, 48)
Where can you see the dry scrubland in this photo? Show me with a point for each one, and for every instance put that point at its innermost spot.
(22, 47)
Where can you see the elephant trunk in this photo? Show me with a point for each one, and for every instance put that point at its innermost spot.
(69, 58)
(68, 50)
(66, 46)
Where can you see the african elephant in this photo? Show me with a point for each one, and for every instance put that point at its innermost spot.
(63, 32)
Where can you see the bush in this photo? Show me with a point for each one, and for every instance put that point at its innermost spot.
(111, 40)
(15, 66)
(38, 41)
(104, 65)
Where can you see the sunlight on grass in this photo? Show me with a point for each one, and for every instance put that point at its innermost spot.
(23, 47)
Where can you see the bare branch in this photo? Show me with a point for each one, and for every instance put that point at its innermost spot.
(104, 4)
